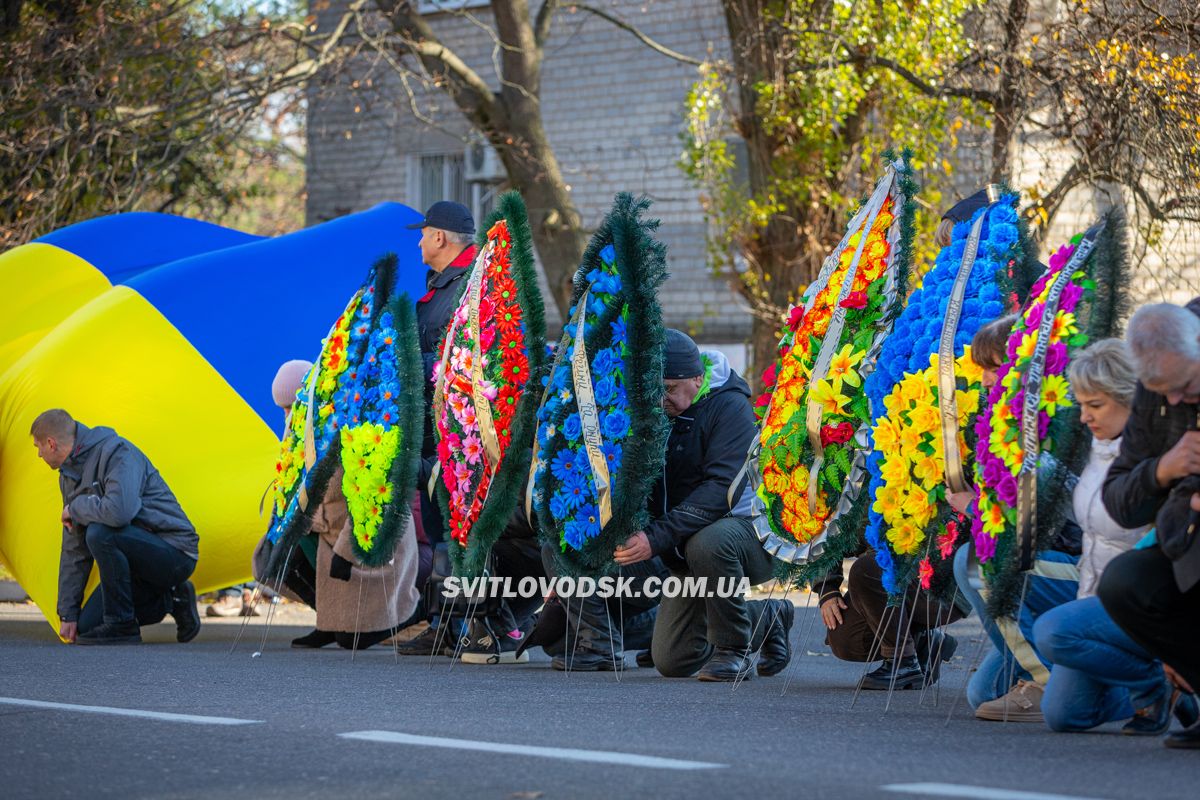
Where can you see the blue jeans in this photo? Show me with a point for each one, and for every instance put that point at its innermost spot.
(1052, 582)
(1100, 674)
(138, 570)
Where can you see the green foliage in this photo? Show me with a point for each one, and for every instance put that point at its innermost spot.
(121, 105)
(825, 110)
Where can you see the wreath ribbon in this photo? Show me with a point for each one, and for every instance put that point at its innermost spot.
(589, 418)
(833, 335)
(483, 408)
(310, 442)
(1030, 445)
(563, 343)
(956, 479)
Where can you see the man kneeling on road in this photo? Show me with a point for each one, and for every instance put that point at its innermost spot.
(118, 512)
(694, 534)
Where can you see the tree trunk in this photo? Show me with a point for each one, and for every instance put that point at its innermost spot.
(557, 227)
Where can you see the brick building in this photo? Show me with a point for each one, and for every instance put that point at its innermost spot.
(613, 111)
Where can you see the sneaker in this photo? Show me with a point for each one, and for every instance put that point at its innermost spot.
(907, 674)
(484, 647)
(1155, 719)
(423, 644)
(183, 609)
(224, 606)
(112, 633)
(1023, 703)
(249, 605)
(1186, 739)
(588, 661)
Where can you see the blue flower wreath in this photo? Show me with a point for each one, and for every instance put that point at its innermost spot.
(918, 332)
(622, 329)
(574, 486)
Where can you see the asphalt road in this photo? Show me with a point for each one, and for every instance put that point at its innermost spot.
(293, 709)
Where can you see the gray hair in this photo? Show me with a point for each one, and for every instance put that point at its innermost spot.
(1158, 330)
(454, 237)
(1104, 367)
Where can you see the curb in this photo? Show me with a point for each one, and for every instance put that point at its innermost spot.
(11, 592)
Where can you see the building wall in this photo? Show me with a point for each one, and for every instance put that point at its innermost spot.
(613, 111)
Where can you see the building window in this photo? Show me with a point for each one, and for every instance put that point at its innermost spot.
(434, 6)
(442, 177)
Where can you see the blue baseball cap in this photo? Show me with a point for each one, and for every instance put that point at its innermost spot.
(448, 216)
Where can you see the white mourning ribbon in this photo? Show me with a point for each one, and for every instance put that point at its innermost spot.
(1030, 443)
(778, 547)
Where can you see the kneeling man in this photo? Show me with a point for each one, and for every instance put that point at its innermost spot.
(119, 513)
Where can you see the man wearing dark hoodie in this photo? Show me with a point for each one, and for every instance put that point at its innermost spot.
(1154, 593)
(695, 533)
(119, 513)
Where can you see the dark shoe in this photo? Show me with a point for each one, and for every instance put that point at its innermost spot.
(1155, 719)
(362, 640)
(726, 664)
(112, 633)
(423, 643)
(548, 630)
(1186, 739)
(933, 648)
(183, 609)
(907, 675)
(587, 661)
(645, 659)
(776, 651)
(483, 646)
(314, 640)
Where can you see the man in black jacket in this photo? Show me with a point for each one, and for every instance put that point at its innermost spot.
(696, 534)
(447, 231)
(1154, 593)
(119, 513)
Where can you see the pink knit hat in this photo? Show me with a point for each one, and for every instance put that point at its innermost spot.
(288, 381)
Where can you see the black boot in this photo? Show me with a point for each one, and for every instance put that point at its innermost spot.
(645, 659)
(588, 661)
(314, 640)
(183, 609)
(776, 651)
(934, 647)
(361, 640)
(908, 675)
(112, 633)
(726, 664)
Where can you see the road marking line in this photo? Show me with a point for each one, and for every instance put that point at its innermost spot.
(564, 753)
(974, 792)
(128, 712)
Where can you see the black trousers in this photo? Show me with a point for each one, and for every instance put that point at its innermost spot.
(1139, 592)
(515, 559)
(868, 614)
(138, 571)
(689, 629)
(606, 626)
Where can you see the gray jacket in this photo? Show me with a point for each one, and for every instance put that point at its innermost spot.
(107, 480)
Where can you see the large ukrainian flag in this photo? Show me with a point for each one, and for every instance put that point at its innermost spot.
(169, 330)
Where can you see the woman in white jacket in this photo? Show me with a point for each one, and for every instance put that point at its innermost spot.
(1099, 674)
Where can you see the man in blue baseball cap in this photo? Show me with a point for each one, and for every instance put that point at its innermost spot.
(446, 248)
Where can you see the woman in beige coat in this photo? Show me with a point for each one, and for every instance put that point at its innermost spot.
(356, 606)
